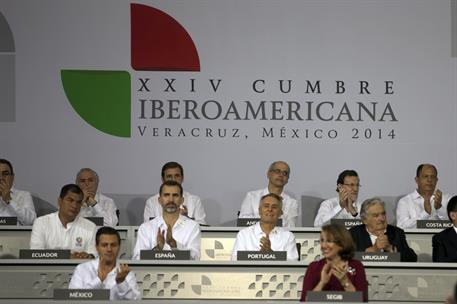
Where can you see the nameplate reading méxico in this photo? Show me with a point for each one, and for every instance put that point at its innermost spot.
(165, 255)
(433, 224)
(81, 294)
(347, 222)
(246, 222)
(261, 256)
(97, 220)
(8, 220)
(377, 256)
(334, 296)
(44, 254)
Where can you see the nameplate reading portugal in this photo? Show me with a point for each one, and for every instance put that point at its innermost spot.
(165, 254)
(97, 220)
(434, 224)
(81, 294)
(347, 222)
(261, 256)
(378, 256)
(246, 222)
(334, 296)
(59, 254)
(8, 220)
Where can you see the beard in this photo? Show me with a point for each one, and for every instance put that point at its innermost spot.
(171, 208)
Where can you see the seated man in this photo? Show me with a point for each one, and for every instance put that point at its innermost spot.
(170, 230)
(64, 229)
(278, 176)
(13, 202)
(191, 207)
(95, 204)
(375, 235)
(106, 272)
(445, 242)
(265, 236)
(425, 203)
(345, 205)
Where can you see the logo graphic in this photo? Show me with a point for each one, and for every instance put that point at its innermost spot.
(205, 281)
(7, 73)
(103, 98)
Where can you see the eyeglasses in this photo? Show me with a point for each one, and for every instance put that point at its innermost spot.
(279, 171)
(6, 173)
(353, 185)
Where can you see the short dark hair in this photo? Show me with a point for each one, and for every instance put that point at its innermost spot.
(172, 165)
(273, 195)
(421, 166)
(6, 162)
(171, 183)
(70, 188)
(451, 206)
(342, 176)
(342, 237)
(107, 230)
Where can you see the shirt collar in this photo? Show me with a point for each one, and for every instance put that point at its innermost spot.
(180, 222)
(259, 232)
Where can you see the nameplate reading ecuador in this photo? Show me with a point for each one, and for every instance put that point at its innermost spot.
(377, 256)
(81, 294)
(347, 222)
(246, 222)
(44, 254)
(334, 296)
(433, 224)
(97, 220)
(165, 255)
(261, 256)
(8, 220)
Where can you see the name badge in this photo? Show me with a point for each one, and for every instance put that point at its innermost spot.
(8, 220)
(377, 256)
(165, 255)
(347, 222)
(429, 224)
(261, 256)
(97, 220)
(334, 296)
(246, 222)
(59, 254)
(81, 294)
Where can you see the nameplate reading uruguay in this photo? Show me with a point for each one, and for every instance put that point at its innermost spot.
(81, 294)
(246, 222)
(334, 296)
(97, 220)
(8, 220)
(433, 224)
(378, 256)
(261, 256)
(347, 222)
(165, 254)
(59, 254)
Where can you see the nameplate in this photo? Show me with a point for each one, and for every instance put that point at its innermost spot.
(8, 220)
(97, 220)
(434, 224)
(347, 222)
(81, 294)
(246, 222)
(44, 254)
(261, 256)
(377, 256)
(165, 255)
(334, 296)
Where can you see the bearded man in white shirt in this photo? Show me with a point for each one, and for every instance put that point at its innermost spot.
(191, 207)
(265, 236)
(95, 204)
(106, 272)
(278, 175)
(171, 230)
(14, 202)
(426, 202)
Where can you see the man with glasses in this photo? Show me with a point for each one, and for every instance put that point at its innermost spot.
(13, 202)
(278, 176)
(345, 205)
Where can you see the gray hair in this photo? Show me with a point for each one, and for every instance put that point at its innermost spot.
(368, 203)
(87, 169)
(277, 162)
(273, 195)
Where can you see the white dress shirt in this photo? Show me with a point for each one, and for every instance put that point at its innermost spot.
(193, 203)
(49, 233)
(250, 207)
(85, 276)
(105, 208)
(186, 233)
(248, 239)
(20, 206)
(331, 209)
(410, 208)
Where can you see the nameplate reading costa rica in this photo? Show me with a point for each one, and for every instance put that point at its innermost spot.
(8, 220)
(433, 224)
(81, 294)
(261, 256)
(246, 222)
(334, 296)
(44, 254)
(97, 220)
(378, 256)
(165, 254)
(346, 222)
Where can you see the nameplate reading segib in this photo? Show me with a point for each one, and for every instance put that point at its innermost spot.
(44, 254)
(347, 222)
(261, 256)
(434, 224)
(334, 296)
(246, 222)
(165, 255)
(97, 220)
(377, 256)
(8, 220)
(81, 294)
